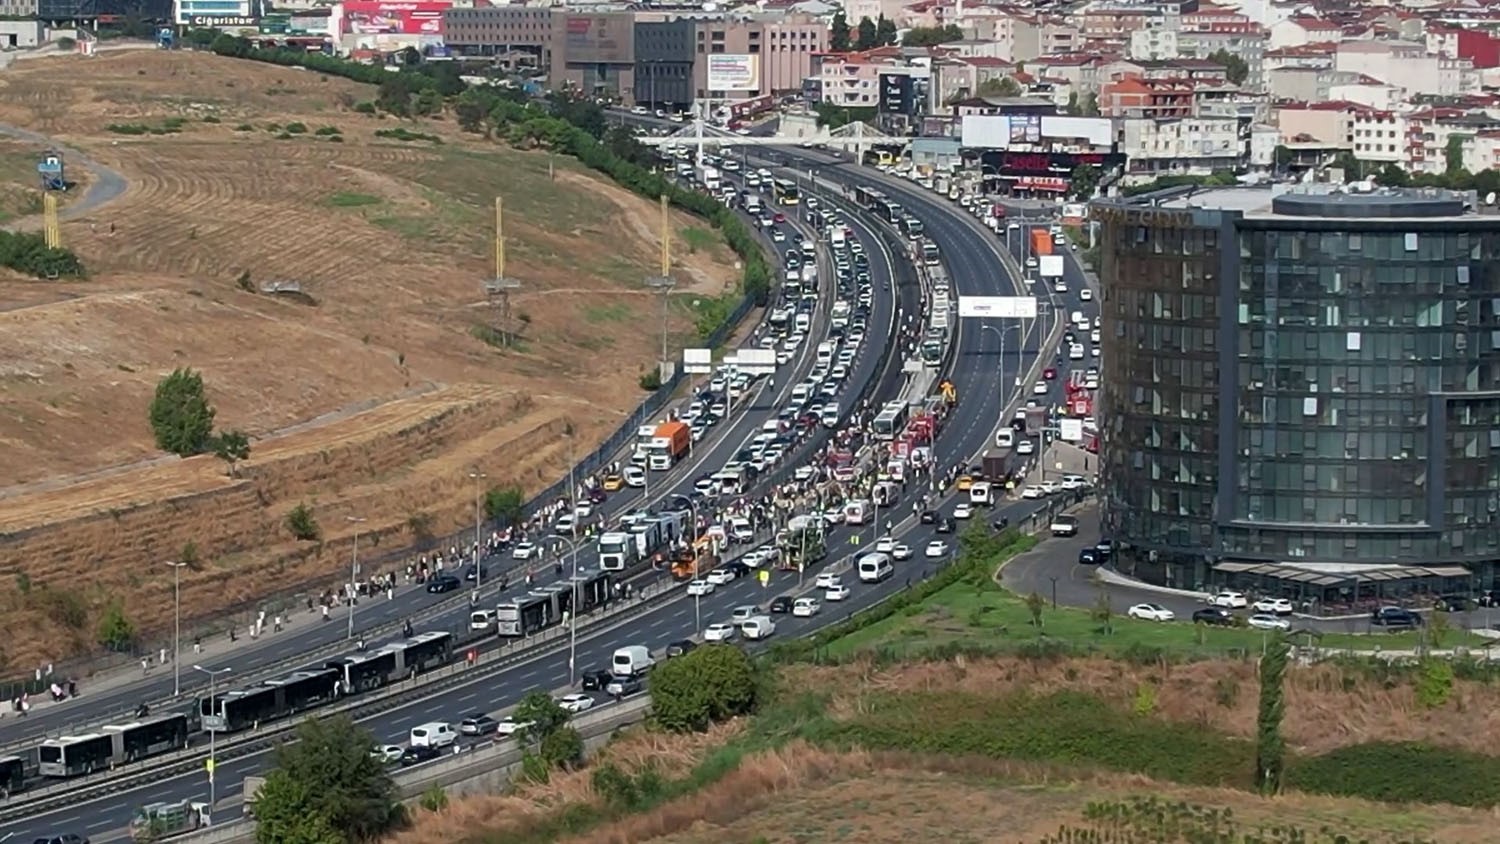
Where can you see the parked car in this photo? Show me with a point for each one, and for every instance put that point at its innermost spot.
(1452, 603)
(478, 724)
(1151, 612)
(1274, 606)
(1269, 621)
(1230, 600)
(419, 753)
(576, 702)
(1215, 616)
(1395, 617)
(596, 680)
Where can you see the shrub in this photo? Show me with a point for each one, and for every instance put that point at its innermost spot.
(181, 418)
(706, 685)
(28, 253)
(1400, 772)
(302, 524)
(296, 128)
(116, 631)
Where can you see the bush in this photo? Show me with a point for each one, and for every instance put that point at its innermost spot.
(706, 685)
(302, 524)
(504, 503)
(1400, 772)
(406, 135)
(182, 420)
(650, 380)
(116, 631)
(296, 128)
(28, 253)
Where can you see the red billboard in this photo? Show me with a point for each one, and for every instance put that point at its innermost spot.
(380, 17)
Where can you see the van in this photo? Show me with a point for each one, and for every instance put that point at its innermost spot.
(874, 568)
(857, 512)
(482, 620)
(824, 355)
(981, 493)
(632, 661)
(634, 477)
(809, 249)
(803, 322)
(434, 734)
(758, 627)
(1005, 438)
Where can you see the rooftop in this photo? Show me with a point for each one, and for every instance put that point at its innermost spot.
(1317, 200)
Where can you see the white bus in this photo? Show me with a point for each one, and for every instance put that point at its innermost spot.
(890, 421)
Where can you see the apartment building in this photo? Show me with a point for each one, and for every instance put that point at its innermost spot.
(852, 80)
(1407, 65)
(1190, 146)
(665, 58)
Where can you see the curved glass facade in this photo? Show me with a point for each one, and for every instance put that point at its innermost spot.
(1316, 388)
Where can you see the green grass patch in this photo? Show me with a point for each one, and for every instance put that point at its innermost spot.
(607, 312)
(345, 199)
(169, 126)
(414, 228)
(401, 133)
(699, 239)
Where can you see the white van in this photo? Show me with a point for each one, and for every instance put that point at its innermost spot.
(857, 512)
(802, 322)
(1075, 352)
(634, 477)
(874, 568)
(758, 627)
(632, 661)
(981, 493)
(482, 620)
(1005, 438)
(434, 734)
(840, 314)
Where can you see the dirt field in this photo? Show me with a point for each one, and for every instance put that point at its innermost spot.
(372, 395)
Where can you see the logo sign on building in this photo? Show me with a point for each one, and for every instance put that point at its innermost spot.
(225, 22)
(374, 17)
(697, 361)
(732, 72)
(1070, 429)
(600, 39)
(757, 361)
(897, 94)
(997, 307)
(1051, 266)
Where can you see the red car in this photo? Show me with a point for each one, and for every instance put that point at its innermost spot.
(779, 217)
(1049, 373)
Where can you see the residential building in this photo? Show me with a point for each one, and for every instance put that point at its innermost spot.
(852, 80)
(1186, 146)
(1408, 66)
(1300, 385)
(1300, 31)
(1133, 96)
(1327, 123)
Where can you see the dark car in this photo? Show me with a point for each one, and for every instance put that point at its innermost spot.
(477, 572)
(444, 583)
(1105, 548)
(596, 680)
(1451, 603)
(478, 724)
(945, 525)
(737, 568)
(929, 517)
(68, 838)
(622, 686)
(1217, 616)
(781, 604)
(681, 647)
(1089, 557)
(418, 755)
(1395, 617)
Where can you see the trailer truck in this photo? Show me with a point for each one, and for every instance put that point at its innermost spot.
(709, 176)
(1041, 242)
(669, 445)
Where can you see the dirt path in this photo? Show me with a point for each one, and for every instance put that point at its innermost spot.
(108, 184)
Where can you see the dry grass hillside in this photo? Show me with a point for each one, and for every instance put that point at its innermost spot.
(372, 395)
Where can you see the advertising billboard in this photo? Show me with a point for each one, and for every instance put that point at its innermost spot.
(215, 14)
(985, 131)
(732, 72)
(378, 17)
(1003, 307)
(1098, 131)
(697, 361)
(599, 39)
(1025, 129)
(897, 94)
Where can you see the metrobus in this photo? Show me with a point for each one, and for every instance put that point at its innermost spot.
(362, 672)
(786, 192)
(546, 607)
(888, 209)
(930, 255)
(12, 774)
(115, 744)
(245, 708)
(890, 421)
(912, 227)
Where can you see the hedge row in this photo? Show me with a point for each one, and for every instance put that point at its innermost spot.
(28, 253)
(1401, 772)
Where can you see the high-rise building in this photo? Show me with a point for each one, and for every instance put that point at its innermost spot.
(1301, 385)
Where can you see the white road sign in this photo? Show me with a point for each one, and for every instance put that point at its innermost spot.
(1002, 307)
(697, 361)
(757, 361)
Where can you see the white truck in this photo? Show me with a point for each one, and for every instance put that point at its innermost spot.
(752, 203)
(709, 176)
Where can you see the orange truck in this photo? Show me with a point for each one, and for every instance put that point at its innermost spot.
(1041, 242)
(669, 445)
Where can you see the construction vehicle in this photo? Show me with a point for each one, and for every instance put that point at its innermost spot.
(688, 563)
(670, 444)
(157, 821)
(801, 544)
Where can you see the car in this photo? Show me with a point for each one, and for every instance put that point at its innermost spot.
(1275, 606)
(65, 838)
(1040, 388)
(523, 551)
(963, 510)
(836, 592)
(721, 631)
(444, 583)
(720, 576)
(681, 647)
(622, 686)
(612, 483)
(1064, 525)
(1072, 483)
(699, 588)
(782, 604)
(509, 726)
(1060, 286)
(1215, 616)
(1031, 262)
(1150, 612)
(565, 525)
(902, 551)
(388, 754)
(1032, 492)
(576, 702)
(1025, 446)
(1395, 617)
(1269, 621)
(929, 517)
(1452, 603)
(936, 548)
(594, 680)
(418, 754)
(1089, 557)
(743, 613)
(806, 607)
(1050, 487)
(945, 525)
(1085, 295)
(827, 580)
(1230, 600)
(1049, 374)
(478, 724)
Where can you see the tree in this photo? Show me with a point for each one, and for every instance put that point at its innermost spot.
(302, 524)
(1084, 181)
(1104, 613)
(885, 32)
(232, 447)
(326, 788)
(999, 86)
(545, 715)
(839, 35)
(181, 417)
(708, 684)
(562, 748)
(429, 103)
(1035, 603)
(504, 502)
(1090, 105)
(1270, 747)
(1454, 153)
(116, 632)
(866, 34)
(931, 36)
(1235, 68)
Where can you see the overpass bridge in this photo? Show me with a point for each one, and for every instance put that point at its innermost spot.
(857, 138)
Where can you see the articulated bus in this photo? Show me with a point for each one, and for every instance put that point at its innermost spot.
(888, 209)
(243, 709)
(890, 421)
(786, 192)
(115, 744)
(545, 607)
(394, 662)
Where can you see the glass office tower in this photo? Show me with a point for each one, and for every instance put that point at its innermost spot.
(1305, 377)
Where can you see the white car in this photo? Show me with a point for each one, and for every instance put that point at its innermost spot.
(388, 753)
(827, 580)
(1033, 492)
(1039, 388)
(1151, 612)
(1060, 287)
(836, 592)
(1085, 295)
(743, 613)
(1230, 600)
(885, 544)
(720, 632)
(576, 702)
(1025, 446)
(901, 552)
(509, 726)
(564, 525)
(1275, 606)
(719, 577)
(936, 548)
(583, 510)
(524, 551)
(964, 510)
(1050, 487)
(806, 607)
(1072, 482)
(1269, 621)
(699, 588)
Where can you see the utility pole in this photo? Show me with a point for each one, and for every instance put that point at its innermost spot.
(664, 283)
(476, 476)
(176, 625)
(499, 288)
(213, 674)
(353, 571)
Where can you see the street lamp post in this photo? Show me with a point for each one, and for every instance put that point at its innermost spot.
(353, 570)
(477, 476)
(213, 674)
(176, 627)
(1020, 364)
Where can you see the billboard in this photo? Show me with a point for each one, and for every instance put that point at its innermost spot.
(985, 131)
(1025, 129)
(897, 94)
(732, 72)
(1051, 266)
(697, 361)
(1071, 430)
(599, 39)
(1001, 307)
(1098, 131)
(757, 361)
(378, 17)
